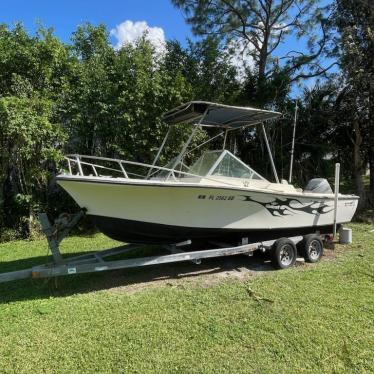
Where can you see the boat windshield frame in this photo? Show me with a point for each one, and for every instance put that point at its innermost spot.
(224, 153)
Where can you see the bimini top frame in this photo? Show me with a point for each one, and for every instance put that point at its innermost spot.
(207, 114)
(204, 113)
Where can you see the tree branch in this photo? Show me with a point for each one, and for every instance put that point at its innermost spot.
(308, 58)
(312, 75)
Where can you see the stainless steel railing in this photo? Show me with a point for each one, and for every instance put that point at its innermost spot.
(79, 161)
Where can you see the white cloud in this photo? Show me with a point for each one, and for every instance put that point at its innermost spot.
(244, 54)
(128, 32)
(241, 56)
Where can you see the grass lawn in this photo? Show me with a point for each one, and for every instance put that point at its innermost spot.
(311, 318)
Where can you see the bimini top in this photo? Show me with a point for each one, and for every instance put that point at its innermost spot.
(217, 115)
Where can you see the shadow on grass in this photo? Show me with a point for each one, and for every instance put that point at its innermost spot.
(29, 289)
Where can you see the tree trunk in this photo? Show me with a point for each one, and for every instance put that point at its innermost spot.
(371, 139)
(358, 166)
(371, 168)
(263, 60)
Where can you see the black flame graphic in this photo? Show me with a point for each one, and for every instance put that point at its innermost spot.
(286, 207)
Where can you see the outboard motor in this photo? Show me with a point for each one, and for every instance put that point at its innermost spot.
(318, 185)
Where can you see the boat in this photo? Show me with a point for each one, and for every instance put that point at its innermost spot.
(217, 197)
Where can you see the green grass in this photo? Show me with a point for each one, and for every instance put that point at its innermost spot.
(321, 318)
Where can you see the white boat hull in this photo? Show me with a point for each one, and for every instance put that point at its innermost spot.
(150, 211)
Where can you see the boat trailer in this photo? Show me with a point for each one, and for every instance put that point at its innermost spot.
(96, 261)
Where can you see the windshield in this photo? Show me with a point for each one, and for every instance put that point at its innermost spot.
(205, 163)
(223, 163)
(160, 174)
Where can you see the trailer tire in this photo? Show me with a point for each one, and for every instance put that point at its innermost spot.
(311, 248)
(283, 254)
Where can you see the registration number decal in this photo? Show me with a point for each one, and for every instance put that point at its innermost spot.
(216, 197)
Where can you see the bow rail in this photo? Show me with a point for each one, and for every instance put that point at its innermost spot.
(82, 165)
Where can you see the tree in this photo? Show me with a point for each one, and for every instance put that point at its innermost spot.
(318, 143)
(29, 143)
(259, 28)
(40, 63)
(354, 21)
(87, 101)
(207, 68)
(33, 80)
(116, 109)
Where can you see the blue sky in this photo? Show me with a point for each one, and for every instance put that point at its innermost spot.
(65, 15)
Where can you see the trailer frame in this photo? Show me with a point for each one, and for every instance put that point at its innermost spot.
(96, 261)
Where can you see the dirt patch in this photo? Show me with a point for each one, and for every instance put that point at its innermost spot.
(209, 273)
(331, 254)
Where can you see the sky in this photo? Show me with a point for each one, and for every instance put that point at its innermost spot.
(65, 15)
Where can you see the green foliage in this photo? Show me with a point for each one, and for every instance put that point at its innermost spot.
(8, 235)
(27, 131)
(90, 41)
(116, 110)
(353, 21)
(207, 68)
(30, 142)
(28, 63)
(316, 147)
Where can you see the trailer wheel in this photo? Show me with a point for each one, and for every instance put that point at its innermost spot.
(283, 253)
(311, 248)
